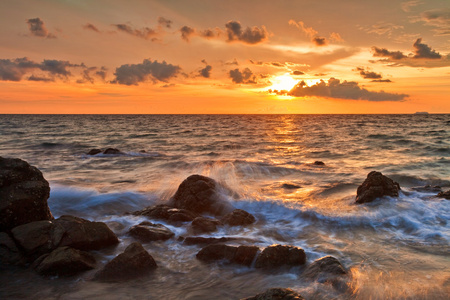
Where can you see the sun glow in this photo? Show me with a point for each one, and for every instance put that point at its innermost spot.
(283, 83)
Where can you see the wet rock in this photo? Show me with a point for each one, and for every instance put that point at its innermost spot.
(375, 186)
(319, 163)
(23, 194)
(65, 261)
(324, 267)
(201, 194)
(94, 151)
(37, 238)
(245, 255)
(112, 151)
(277, 294)
(242, 255)
(167, 213)
(427, 189)
(290, 186)
(279, 255)
(134, 262)
(198, 240)
(238, 217)
(445, 195)
(204, 225)
(147, 232)
(9, 253)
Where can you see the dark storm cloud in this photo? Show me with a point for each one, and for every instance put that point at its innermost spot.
(132, 74)
(296, 72)
(248, 35)
(145, 33)
(206, 71)
(37, 28)
(165, 22)
(319, 41)
(89, 26)
(382, 52)
(246, 76)
(366, 74)
(186, 33)
(424, 51)
(336, 89)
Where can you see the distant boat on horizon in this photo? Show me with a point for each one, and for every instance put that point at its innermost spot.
(421, 113)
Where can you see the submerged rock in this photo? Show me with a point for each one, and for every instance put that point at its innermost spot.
(325, 266)
(204, 225)
(112, 151)
(198, 240)
(280, 255)
(64, 261)
(277, 294)
(201, 194)
(445, 195)
(134, 262)
(167, 213)
(290, 186)
(319, 163)
(242, 255)
(427, 189)
(94, 151)
(148, 232)
(375, 186)
(238, 217)
(9, 253)
(23, 194)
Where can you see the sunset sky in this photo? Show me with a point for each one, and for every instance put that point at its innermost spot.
(179, 56)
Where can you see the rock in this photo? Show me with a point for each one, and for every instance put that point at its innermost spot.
(319, 163)
(148, 232)
(204, 225)
(198, 240)
(9, 253)
(135, 261)
(65, 261)
(112, 151)
(290, 186)
(37, 238)
(427, 189)
(167, 213)
(277, 255)
(201, 194)
(445, 195)
(94, 151)
(324, 267)
(238, 217)
(242, 255)
(23, 194)
(277, 294)
(376, 185)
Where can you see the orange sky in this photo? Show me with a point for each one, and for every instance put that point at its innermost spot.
(212, 56)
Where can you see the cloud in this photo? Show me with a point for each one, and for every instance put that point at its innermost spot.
(336, 89)
(406, 6)
(37, 78)
(313, 34)
(206, 71)
(296, 72)
(102, 73)
(246, 76)
(382, 52)
(165, 22)
(336, 37)
(132, 74)
(89, 26)
(37, 28)
(424, 51)
(187, 32)
(145, 33)
(366, 74)
(438, 18)
(382, 28)
(248, 35)
(319, 41)
(381, 80)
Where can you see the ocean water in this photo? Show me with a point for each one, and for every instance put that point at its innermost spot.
(394, 248)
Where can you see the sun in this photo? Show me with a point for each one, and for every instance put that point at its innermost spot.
(283, 83)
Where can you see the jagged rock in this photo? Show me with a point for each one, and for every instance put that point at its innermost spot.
(204, 225)
(64, 261)
(9, 253)
(112, 151)
(201, 194)
(94, 151)
(319, 163)
(238, 217)
(135, 261)
(325, 266)
(445, 195)
(37, 238)
(277, 294)
(278, 255)
(376, 185)
(23, 194)
(167, 213)
(148, 232)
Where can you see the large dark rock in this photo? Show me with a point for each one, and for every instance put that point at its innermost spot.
(23, 194)
(198, 240)
(324, 267)
(238, 217)
(167, 213)
(37, 238)
(445, 195)
(242, 255)
(9, 253)
(201, 194)
(94, 151)
(135, 261)
(279, 255)
(64, 261)
(277, 294)
(112, 151)
(375, 186)
(147, 232)
(204, 225)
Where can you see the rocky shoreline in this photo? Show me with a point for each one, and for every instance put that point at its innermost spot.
(31, 237)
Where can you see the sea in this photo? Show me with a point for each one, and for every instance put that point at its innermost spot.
(393, 248)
